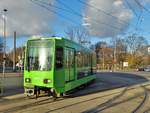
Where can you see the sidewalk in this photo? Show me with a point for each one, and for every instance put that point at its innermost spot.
(12, 94)
(13, 86)
(11, 74)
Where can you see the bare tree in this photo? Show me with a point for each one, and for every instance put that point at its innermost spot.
(70, 32)
(121, 52)
(99, 47)
(19, 52)
(104, 55)
(82, 35)
(78, 34)
(136, 47)
(135, 42)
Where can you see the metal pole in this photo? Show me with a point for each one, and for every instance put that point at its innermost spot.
(4, 54)
(115, 59)
(14, 53)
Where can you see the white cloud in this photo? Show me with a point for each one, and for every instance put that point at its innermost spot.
(118, 3)
(97, 19)
(25, 17)
(118, 8)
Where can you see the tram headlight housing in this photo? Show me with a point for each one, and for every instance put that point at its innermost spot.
(28, 80)
(46, 81)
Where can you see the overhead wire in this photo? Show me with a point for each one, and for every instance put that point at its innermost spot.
(107, 13)
(101, 10)
(53, 11)
(70, 10)
(131, 8)
(139, 17)
(137, 29)
(142, 6)
(78, 14)
(60, 8)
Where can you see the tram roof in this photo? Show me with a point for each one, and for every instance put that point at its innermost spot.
(57, 38)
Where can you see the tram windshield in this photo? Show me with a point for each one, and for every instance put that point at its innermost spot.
(39, 55)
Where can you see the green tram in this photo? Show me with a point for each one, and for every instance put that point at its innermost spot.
(56, 65)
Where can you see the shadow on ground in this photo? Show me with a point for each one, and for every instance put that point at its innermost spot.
(110, 80)
(104, 81)
(12, 91)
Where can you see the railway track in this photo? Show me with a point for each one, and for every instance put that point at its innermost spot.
(108, 104)
(146, 96)
(41, 102)
(147, 110)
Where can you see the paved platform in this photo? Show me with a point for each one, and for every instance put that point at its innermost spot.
(12, 83)
(12, 74)
(107, 86)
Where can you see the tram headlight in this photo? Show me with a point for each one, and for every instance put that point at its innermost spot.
(27, 80)
(46, 81)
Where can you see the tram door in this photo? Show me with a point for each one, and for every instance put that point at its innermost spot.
(69, 64)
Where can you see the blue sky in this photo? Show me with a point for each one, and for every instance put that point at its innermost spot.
(66, 18)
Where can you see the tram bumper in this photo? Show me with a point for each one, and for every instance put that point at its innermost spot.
(29, 91)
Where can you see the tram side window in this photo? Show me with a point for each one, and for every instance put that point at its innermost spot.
(59, 57)
(79, 59)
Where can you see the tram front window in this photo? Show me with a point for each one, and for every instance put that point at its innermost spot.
(39, 57)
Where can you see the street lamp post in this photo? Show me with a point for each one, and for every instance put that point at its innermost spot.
(4, 54)
(14, 53)
(115, 51)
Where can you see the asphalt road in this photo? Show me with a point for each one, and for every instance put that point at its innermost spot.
(111, 93)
